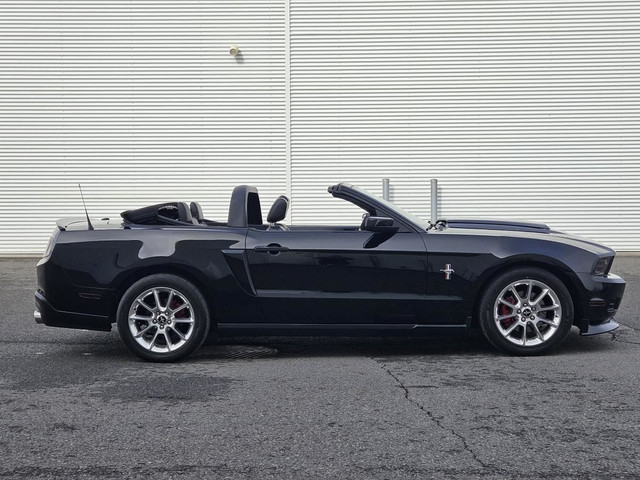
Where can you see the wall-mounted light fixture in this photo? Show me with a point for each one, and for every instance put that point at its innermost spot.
(234, 50)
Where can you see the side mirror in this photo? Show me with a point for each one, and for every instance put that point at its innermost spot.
(378, 224)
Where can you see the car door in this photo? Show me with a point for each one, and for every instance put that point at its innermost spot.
(338, 275)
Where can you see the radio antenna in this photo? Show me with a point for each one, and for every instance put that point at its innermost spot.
(85, 208)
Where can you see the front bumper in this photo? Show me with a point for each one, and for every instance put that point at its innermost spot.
(602, 298)
(51, 317)
(608, 326)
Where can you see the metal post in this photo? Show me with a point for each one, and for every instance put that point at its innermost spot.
(434, 200)
(385, 189)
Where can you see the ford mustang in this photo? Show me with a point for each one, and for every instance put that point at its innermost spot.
(169, 278)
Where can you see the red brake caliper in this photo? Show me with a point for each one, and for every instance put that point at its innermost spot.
(181, 313)
(505, 310)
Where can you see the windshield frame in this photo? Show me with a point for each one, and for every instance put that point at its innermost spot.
(407, 216)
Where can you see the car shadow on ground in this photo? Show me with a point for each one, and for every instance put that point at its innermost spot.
(471, 344)
(255, 348)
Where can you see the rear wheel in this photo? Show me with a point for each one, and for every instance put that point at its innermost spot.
(526, 311)
(163, 318)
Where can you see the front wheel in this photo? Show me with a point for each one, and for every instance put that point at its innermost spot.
(526, 311)
(162, 318)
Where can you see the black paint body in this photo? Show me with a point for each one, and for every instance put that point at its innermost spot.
(320, 279)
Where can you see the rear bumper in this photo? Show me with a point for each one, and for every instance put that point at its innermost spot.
(51, 317)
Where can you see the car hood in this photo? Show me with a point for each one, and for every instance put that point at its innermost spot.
(522, 229)
(491, 224)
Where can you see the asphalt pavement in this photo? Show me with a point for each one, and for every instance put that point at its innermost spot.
(77, 405)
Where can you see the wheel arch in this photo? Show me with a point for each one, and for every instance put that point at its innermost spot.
(171, 269)
(554, 267)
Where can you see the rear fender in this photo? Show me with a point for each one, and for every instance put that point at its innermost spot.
(111, 261)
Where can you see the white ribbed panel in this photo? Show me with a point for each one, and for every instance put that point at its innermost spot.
(526, 109)
(140, 102)
(522, 109)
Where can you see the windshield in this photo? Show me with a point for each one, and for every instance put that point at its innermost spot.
(399, 210)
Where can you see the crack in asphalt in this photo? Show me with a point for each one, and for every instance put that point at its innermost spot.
(432, 417)
(619, 336)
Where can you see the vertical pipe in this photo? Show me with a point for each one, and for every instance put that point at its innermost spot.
(434, 200)
(287, 105)
(385, 189)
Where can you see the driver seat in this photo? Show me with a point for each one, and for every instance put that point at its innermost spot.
(277, 213)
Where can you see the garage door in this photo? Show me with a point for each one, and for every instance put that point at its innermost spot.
(526, 109)
(138, 101)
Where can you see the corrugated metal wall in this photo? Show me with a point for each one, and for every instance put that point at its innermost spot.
(138, 101)
(525, 109)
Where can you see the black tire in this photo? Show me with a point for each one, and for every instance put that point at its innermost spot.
(184, 320)
(533, 328)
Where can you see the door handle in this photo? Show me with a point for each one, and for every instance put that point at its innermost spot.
(272, 248)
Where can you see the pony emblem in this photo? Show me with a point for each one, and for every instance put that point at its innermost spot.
(447, 270)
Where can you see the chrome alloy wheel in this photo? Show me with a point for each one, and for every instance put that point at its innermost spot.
(527, 312)
(161, 319)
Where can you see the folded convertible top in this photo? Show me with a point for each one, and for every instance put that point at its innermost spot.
(156, 214)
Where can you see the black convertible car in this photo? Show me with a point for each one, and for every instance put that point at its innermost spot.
(169, 277)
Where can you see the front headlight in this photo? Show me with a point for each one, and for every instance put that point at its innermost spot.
(602, 266)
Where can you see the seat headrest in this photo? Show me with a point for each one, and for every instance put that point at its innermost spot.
(278, 210)
(196, 211)
(184, 214)
(244, 209)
